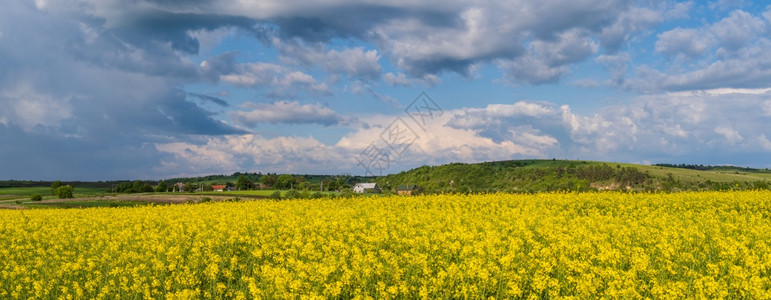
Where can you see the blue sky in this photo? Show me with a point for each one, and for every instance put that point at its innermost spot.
(109, 89)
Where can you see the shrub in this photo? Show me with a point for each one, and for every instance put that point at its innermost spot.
(317, 195)
(36, 197)
(205, 199)
(347, 194)
(293, 194)
(276, 195)
(55, 185)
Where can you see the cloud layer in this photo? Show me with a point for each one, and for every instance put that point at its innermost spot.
(678, 127)
(120, 89)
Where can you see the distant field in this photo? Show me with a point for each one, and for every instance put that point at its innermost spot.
(264, 193)
(241, 193)
(86, 204)
(42, 190)
(696, 175)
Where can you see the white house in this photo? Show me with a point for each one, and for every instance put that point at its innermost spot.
(366, 187)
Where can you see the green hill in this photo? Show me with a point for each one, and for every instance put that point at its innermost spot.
(556, 175)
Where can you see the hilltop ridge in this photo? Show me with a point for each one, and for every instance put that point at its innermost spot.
(538, 175)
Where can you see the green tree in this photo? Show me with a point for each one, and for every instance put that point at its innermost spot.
(303, 185)
(332, 185)
(284, 181)
(54, 186)
(189, 187)
(64, 191)
(268, 180)
(243, 183)
(161, 187)
(137, 186)
(325, 185)
(275, 195)
(36, 197)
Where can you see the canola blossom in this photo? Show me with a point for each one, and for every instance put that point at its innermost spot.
(554, 245)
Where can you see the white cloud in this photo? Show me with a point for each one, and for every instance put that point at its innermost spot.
(353, 62)
(232, 153)
(438, 144)
(526, 135)
(531, 70)
(398, 79)
(570, 46)
(729, 134)
(736, 30)
(744, 69)
(546, 61)
(286, 112)
(730, 53)
(282, 82)
(688, 42)
(668, 124)
(637, 19)
(764, 142)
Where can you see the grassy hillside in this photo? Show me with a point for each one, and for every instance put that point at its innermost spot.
(554, 175)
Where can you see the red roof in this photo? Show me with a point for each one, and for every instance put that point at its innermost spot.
(218, 186)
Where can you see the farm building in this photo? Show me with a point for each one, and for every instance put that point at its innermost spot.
(366, 187)
(180, 187)
(407, 189)
(219, 187)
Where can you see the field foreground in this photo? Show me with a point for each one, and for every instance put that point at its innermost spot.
(711, 244)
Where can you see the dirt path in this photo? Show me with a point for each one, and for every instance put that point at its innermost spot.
(11, 206)
(154, 198)
(172, 198)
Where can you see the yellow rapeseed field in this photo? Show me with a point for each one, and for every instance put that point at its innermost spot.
(615, 245)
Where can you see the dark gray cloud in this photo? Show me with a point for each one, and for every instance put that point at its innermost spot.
(82, 100)
(355, 20)
(212, 99)
(423, 38)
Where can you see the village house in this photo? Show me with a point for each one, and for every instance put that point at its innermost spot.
(407, 190)
(366, 187)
